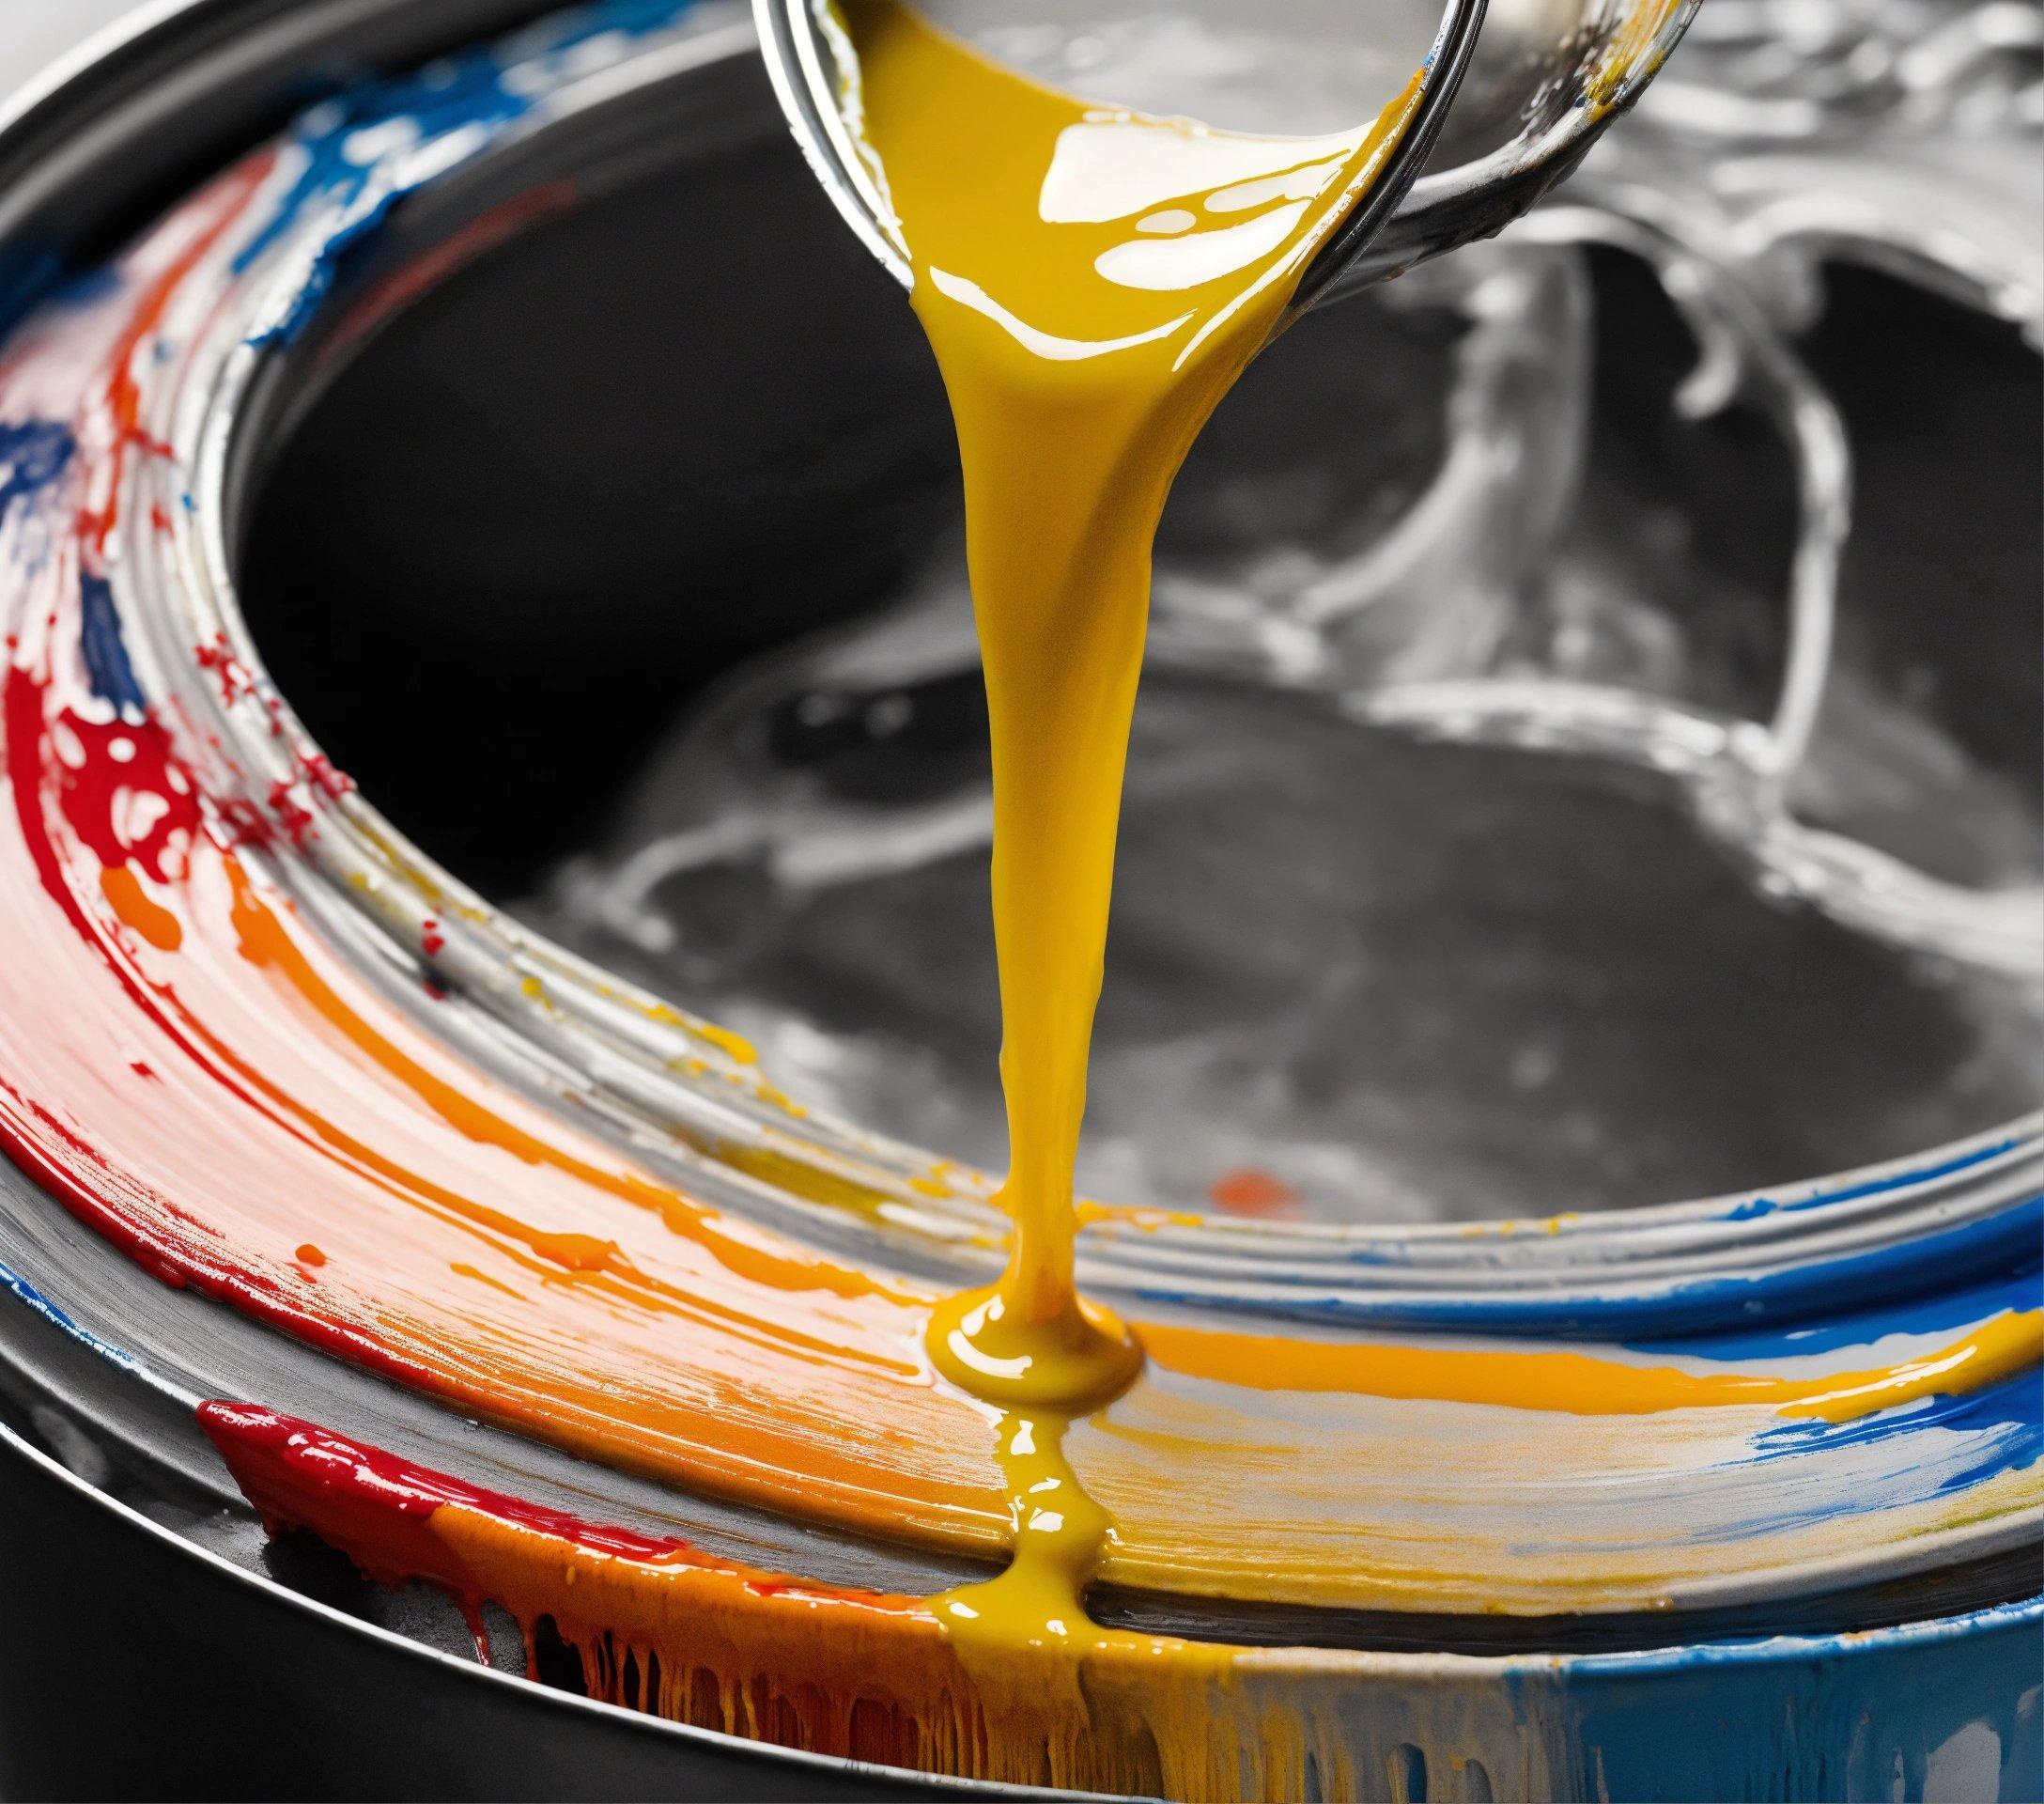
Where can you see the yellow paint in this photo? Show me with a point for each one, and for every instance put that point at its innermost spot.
(1092, 281)
(1636, 50)
(1583, 1384)
(1081, 355)
(1038, 1601)
(1080, 1356)
(1996, 1350)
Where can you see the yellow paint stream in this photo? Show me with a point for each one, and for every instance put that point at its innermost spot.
(1092, 281)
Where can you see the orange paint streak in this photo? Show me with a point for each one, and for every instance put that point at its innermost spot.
(265, 943)
(564, 1396)
(126, 896)
(1251, 1191)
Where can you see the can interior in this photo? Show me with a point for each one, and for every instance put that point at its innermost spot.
(507, 552)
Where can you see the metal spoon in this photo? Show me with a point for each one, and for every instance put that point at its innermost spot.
(1502, 120)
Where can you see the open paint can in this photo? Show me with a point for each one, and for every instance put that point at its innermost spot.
(1577, 962)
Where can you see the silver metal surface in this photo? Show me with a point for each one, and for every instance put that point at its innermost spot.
(237, 1687)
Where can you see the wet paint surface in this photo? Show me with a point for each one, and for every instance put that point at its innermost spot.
(166, 995)
(1944, 1711)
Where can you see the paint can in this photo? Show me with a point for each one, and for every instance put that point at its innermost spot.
(1906, 1667)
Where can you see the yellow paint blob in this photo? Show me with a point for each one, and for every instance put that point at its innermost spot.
(1081, 1356)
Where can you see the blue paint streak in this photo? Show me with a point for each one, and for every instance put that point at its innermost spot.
(1800, 1716)
(457, 93)
(28, 273)
(2008, 1417)
(33, 455)
(42, 277)
(1943, 1312)
(2004, 1242)
(113, 678)
(1754, 1207)
(24, 1291)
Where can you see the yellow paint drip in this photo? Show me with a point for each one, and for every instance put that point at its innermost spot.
(1038, 1602)
(1092, 281)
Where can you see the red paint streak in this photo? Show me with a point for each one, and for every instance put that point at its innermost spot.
(320, 772)
(241, 823)
(148, 1227)
(378, 1509)
(431, 939)
(291, 813)
(218, 656)
(73, 1171)
(482, 233)
(22, 702)
(374, 1506)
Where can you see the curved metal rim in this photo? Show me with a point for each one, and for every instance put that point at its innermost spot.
(1654, 1219)
(592, 1020)
(1447, 63)
(1487, 1669)
(1516, 163)
(91, 60)
(471, 1671)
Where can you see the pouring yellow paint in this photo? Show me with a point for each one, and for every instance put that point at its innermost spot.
(1092, 281)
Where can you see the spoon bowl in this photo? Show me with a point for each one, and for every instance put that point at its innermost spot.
(1514, 94)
